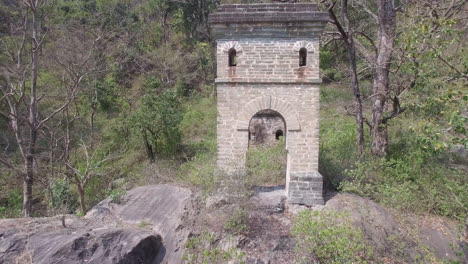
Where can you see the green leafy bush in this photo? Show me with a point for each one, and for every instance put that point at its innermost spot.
(329, 236)
(61, 197)
(203, 249)
(238, 222)
(117, 195)
(157, 121)
(411, 183)
(11, 206)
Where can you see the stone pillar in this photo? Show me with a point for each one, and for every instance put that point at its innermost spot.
(269, 74)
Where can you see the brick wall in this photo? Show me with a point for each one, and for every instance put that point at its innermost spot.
(267, 39)
(268, 60)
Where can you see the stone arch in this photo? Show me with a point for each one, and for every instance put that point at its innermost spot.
(269, 102)
(309, 46)
(231, 45)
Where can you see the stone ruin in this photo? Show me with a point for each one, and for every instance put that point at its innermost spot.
(267, 72)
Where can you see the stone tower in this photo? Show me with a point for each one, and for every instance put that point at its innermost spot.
(268, 59)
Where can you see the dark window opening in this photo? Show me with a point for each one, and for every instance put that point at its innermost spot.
(278, 134)
(232, 57)
(302, 57)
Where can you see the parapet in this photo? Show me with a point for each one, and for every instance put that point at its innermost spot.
(284, 20)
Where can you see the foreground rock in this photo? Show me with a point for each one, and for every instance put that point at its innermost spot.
(145, 228)
(154, 224)
(47, 241)
(394, 237)
(161, 208)
(409, 236)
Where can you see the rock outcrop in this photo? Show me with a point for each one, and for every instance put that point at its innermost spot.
(152, 224)
(394, 237)
(145, 228)
(45, 240)
(161, 208)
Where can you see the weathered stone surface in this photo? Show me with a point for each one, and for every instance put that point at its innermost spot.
(46, 241)
(268, 20)
(269, 199)
(267, 40)
(147, 227)
(159, 207)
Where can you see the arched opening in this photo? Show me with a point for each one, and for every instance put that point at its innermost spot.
(232, 57)
(278, 134)
(303, 57)
(267, 156)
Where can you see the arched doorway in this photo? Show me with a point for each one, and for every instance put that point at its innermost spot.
(267, 156)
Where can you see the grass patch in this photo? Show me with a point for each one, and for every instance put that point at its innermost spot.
(198, 128)
(238, 222)
(266, 164)
(330, 237)
(203, 248)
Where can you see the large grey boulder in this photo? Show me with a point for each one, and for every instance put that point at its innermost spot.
(147, 227)
(46, 241)
(161, 208)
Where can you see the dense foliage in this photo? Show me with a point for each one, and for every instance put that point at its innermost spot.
(125, 96)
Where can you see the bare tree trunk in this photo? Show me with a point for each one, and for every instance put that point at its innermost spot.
(165, 26)
(33, 120)
(27, 185)
(81, 193)
(348, 38)
(356, 88)
(357, 102)
(381, 84)
(94, 105)
(149, 148)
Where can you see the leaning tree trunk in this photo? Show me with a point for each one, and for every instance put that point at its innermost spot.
(381, 83)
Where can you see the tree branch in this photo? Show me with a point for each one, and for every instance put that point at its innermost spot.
(368, 11)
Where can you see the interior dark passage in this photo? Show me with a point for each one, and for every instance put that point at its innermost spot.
(267, 157)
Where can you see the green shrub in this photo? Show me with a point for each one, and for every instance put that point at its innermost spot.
(117, 195)
(157, 121)
(238, 222)
(12, 205)
(411, 183)
(330, 237)
(420, 173)
(202, 248)
(61, 197)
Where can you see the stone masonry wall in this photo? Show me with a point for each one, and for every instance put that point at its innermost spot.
(267, 39)
(305, 184)
(268, 60)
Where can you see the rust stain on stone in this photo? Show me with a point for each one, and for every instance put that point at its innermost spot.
(232, 72)
(300, 73)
